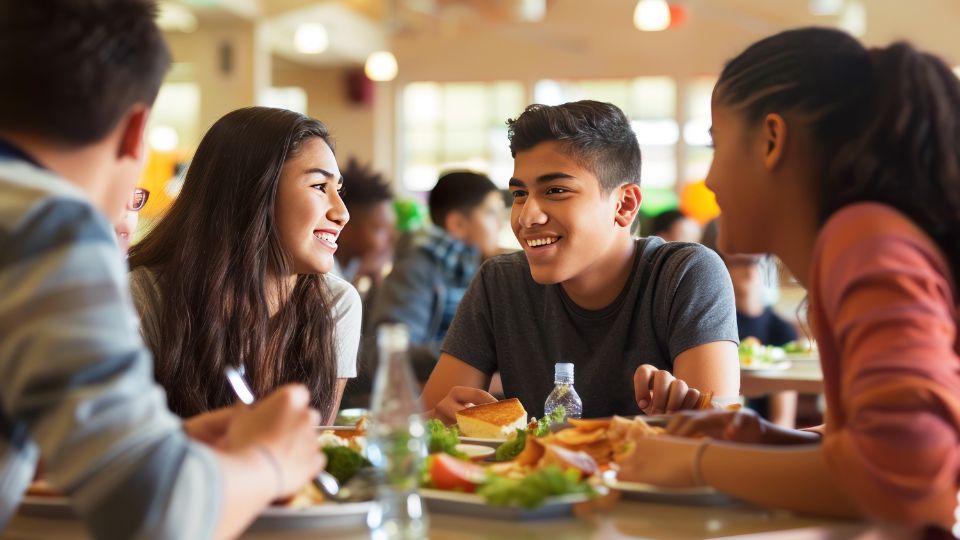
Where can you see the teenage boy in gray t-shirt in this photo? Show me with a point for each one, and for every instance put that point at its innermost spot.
(648, 325)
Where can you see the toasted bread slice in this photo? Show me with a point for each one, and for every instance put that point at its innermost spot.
(492, 420)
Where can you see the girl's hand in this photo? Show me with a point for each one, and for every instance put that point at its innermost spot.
(282, 429)
(660, 460)
(211, 427)
(742, 426)
(658, 391)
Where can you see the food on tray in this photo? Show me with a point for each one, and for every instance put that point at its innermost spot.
(42, 488)
(535, 470)
(530, 491)
(441, 438)
(492, 420)
(512, 447)
(309, 495)
(344, 462)
(801, 346)
(453, 474)
(753, 353)
(344, 450)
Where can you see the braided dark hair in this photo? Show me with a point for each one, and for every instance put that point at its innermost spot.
(886, 120)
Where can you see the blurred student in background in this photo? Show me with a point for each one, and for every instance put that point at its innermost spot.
(675, 226)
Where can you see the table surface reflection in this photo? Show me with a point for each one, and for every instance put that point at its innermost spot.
(611, 519)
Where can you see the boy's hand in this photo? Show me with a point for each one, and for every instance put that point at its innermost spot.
(659, 392)
(459, 397)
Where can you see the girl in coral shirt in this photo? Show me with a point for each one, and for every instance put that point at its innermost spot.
(845, 163)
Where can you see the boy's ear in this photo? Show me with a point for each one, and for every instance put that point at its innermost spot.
(132, 133)
(628, 204)
(456, 224)
(774, 134)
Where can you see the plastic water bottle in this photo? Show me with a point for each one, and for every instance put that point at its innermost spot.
(396, 442)
(563, 392)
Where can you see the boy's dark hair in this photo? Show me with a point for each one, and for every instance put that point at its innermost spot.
(664, 220)
(362, 187)
(886, 121)
(596, 135)
(72, 68)
(460, 191)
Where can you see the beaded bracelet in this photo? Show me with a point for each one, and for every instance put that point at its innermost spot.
(277, 471)
(697, 462)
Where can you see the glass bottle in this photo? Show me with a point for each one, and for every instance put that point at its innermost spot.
(563, 392)
(396, 441)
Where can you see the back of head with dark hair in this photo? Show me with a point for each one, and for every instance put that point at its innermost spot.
(364, 187)
(596, 135)
(72, 68)
(886, 121)
(213, 254)
(664, 220)
(460, 191)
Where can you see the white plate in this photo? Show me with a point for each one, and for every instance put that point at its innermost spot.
(321, 516)
(650, 493)
(473, 505)
(779, 365)
(476, 452)
(492, 443)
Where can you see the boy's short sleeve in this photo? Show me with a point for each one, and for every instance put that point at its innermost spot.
(700, 307)
(470, 337)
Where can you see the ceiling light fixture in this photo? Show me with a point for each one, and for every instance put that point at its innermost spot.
(381, 66)
(651, 15)
(311, 38)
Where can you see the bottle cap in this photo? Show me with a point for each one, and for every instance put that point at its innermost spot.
(393, 336)
(564, 370)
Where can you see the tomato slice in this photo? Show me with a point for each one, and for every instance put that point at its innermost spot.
(450, 473)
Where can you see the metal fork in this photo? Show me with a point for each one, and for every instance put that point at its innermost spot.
(325, 482)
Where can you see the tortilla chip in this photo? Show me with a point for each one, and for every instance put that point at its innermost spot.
(600, 451)
(575, 437)
(532, 452)
(568, 459)
(590, 424)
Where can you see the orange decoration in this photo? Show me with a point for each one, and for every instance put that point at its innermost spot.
(678, 15)
(698, 202)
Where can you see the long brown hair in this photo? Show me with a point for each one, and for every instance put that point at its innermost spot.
(213, 253)
(887, 121)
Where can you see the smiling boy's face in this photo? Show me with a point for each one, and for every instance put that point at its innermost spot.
(563, 220)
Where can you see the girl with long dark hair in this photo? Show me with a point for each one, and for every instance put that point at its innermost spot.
(844, 162)
(235, 273)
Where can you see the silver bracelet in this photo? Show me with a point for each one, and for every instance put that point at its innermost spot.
(697, 462)
(277, 471)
